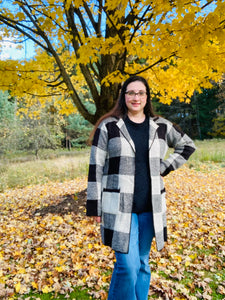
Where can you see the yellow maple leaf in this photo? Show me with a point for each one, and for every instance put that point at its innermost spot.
(90, 246)
(193, 256)
(51, 281)
(22, 271)
(34, 285)
(220, 215)
(46, 289)
(18, 253)
(17, 287)
(187, 263)
(62, 247)
(59, 269)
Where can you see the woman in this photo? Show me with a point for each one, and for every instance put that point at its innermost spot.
(125, 187)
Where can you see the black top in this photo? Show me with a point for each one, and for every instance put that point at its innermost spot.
(139, 133)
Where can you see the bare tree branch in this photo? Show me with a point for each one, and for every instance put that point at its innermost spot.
(13, 24)
(154, 64)
(85, 70)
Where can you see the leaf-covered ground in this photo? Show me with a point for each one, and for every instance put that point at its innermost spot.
(47, 244)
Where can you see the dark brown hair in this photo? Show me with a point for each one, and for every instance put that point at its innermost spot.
(120, 109)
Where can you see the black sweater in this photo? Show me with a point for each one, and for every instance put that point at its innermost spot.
(139, 133)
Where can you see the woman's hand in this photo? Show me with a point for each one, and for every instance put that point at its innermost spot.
(97, 219)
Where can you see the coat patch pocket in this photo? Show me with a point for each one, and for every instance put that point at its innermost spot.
(110, 201)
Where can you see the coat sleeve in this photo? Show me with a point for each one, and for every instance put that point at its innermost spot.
(183, 148)
(95, 173)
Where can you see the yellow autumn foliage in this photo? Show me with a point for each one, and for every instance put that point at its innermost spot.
(95, 45)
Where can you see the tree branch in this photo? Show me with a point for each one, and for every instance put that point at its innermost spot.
(207, 4)
(84, 69)
(80, 16)
(13, 24)
(54, 85)
(43, 96)
(99, 17)
(119, 33)
(94, 24)
(151, 66)
(47, 16)
(139, 22)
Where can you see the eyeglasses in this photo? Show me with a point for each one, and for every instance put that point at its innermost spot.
(132, 94)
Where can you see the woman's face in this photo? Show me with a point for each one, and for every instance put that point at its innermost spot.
(136, 97)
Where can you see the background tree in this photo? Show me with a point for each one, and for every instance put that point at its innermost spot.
(205, 105)
(28, 129)
(91, 46)
(7, 120)
(77, 131)
(196, 118)
(218, 129)
(44, 131)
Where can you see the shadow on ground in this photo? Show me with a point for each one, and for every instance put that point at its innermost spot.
(66, 204)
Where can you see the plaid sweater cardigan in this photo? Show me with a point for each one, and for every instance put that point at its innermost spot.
(111, 177)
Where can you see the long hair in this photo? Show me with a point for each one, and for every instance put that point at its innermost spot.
(120, 109)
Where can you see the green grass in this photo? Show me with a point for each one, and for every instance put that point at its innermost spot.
(26, 172)
(77, 294)
(22, 169)
(209, 151)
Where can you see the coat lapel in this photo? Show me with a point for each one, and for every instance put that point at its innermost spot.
(125, 132)
(152, 131)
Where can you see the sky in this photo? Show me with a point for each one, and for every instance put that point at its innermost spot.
(8, 50)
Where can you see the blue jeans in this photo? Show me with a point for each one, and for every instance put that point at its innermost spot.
(131, 275)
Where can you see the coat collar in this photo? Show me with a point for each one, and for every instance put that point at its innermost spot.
(123, 129)
(152, 131)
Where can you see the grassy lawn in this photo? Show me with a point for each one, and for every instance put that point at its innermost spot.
(77, 294)
(23, 170)
(209, 151)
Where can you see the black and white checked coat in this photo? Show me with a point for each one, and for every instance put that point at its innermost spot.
(111, 177)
